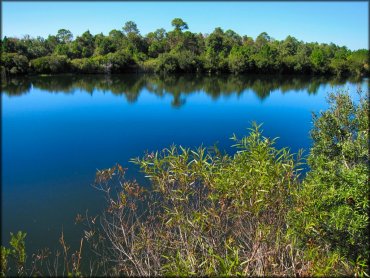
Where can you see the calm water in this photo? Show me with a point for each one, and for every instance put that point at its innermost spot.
(56, 131)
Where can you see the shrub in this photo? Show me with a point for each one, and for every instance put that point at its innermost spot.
(85, 65)
(150, 65)
(206, 213)
(339, 66)
(167, 63)
(14, 63)
(50, 64)
(359, 62)
(61, 263)
(188, 61)
(110, 63)
(120, 61)
(16, 254)
(331, 214)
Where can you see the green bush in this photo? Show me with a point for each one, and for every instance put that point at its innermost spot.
(188, 61)
(120, 61)
(150, 65)
(96, 64)
(43, 263)
(184, 61)
(111, 63)
(14, 63)
(358, 62)
(167, 63)
(16, 255)
(50, 64)
(206, 213)
(331, 213)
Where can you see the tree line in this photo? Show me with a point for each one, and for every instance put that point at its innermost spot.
(178, 50)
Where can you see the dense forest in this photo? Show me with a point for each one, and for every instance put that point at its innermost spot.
(178, 50)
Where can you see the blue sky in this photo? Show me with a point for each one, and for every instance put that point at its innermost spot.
(343, 23)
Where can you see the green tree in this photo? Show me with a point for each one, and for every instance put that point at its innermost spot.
(9, 45)
(63, 49)
(318, 60)
(117, 37)
(217, 52)
(130, 27)
(64, 36)
(104, 45)
(239, 59)
(135, 42)
(179, 24)
(265, 59)
(359, 61)
(261, 40)
(85, 44)
(157, 42)
(51, 43)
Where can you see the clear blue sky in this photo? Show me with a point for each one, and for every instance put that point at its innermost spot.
(343, 23)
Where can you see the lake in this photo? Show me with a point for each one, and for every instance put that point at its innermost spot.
(58, 130)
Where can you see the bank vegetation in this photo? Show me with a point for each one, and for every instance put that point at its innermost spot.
(178, 50)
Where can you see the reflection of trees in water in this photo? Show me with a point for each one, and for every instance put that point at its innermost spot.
(179, 86)
(16, 86)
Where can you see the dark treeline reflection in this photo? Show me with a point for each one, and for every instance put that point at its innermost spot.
(179, 86)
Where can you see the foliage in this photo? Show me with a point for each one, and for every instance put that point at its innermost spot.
(179, 24)
(359, 61)
(167, 63)
(110, 63)
(14, 63)
(157, 42)
(83, 46)
(13, 260)
(219, 51)
(184, 61)
(207, 213)
(239, 59)
(17, 253)
(50, 64)
(5, 252)
(331, 213)
(64, 36)
(150, 65)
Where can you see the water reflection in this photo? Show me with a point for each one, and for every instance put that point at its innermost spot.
(179, 87)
